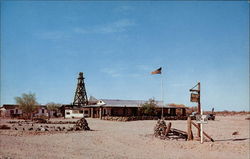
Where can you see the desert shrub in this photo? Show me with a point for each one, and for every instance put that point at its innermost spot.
(27, 103)
(149, 108)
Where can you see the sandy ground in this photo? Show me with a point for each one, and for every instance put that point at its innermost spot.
(121, 140)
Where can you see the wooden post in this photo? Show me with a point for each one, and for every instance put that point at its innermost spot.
(100, 113)
(92, 112)
(189, 129)
(168, 129)
(203, 131)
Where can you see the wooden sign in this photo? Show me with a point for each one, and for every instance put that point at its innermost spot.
(202, 119)
(194, 97)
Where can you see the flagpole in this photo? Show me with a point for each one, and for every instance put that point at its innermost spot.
(162, 98)
(158, 71)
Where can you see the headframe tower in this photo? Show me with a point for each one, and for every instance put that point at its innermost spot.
(80, 98)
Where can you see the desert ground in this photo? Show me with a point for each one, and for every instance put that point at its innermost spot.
(134, 139)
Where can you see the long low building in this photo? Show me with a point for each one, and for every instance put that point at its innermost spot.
(14, 111)
(97, 109)
(115, 107)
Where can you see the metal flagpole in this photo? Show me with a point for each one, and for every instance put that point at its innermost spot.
(162, 98)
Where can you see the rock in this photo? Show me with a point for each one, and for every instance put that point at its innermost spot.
(160, 128)
(235, 133)
(4, 127)
(81, 124)
(40, 120)
(70, 129)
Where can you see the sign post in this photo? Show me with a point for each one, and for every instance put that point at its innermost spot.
(201, 119)
(201, 128)
(195, 97)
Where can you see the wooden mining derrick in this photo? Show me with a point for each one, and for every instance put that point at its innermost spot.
(80, 98)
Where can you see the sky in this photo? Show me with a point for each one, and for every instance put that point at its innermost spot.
(45, 44)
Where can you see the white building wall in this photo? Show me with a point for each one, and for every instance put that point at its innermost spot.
(73, 114)
(42, 112)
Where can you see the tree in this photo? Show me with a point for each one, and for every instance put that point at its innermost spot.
(27, 103)
(149, 108)
(52, 107)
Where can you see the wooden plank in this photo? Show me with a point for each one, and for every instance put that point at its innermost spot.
(203, 131)
(178, 131)
(189, 129)
(168, 129)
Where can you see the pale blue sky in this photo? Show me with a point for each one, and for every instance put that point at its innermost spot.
(44, 45)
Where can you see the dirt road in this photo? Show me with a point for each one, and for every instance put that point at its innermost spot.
(121, 140)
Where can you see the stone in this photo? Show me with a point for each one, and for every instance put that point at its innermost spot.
(4, 127)
(160, 128)
(81, 124)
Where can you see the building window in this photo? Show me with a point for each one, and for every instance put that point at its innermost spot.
(86, 112)
(68, 113)
(16, 111)
(42, 110)
(81, 111)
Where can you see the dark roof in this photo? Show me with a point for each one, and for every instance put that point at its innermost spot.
(10, 106)
(92, 99)
(14, 106)
(76, 106)
(123, 103)
(177, 107)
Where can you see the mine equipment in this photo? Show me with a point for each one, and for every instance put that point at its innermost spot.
(80, 98)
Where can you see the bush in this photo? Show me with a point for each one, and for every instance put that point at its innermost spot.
(149, 108)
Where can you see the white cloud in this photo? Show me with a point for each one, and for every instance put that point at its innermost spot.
(144, 67)
(124, 9)
(112, 72)
(121, 72)
(114, 27)
(52, 35)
